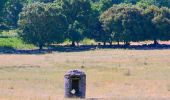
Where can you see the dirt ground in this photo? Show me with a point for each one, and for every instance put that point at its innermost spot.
(111, 74)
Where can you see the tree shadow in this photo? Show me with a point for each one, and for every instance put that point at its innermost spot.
(10, 50)
(82, 48)
(143, 47)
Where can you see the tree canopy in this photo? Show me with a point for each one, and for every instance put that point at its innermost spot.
(42, 24)
(123, 23)
(78, 13)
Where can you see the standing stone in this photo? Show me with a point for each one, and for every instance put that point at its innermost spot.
(75, 84)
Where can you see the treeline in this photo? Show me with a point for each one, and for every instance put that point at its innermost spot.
(47, 21)
(128, 23)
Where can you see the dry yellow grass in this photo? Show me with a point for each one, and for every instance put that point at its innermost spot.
(111, 74)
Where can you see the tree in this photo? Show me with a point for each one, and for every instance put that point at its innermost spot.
(2, 7)
(99, 6)
(124, 23)
(44, 1)
(150, 14)
(78, 13)
(97, 33)
(103, 5)
(159, 3)
(131, 1)
(162, 23)
(12, 10)
(42, 24)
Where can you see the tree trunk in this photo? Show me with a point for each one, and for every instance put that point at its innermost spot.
(110, 43)
(40, 46)
(77, 43)
(118, 43)
(155, 42)
(104, 43)
(126, 43)
(73, 44)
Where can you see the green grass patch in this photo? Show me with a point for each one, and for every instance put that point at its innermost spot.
(15, 42)
(87, 41)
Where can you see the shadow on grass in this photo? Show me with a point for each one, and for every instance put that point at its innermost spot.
(10, 50)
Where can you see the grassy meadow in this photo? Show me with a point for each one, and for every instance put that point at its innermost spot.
(111, 74)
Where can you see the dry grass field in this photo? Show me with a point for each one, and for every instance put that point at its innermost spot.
(111, 74)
